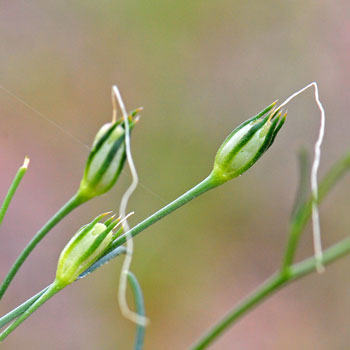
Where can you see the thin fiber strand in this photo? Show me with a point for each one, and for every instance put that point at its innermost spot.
(134, 317)
(316, 228)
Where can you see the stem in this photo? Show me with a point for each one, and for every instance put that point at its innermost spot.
(207, 184)
(73, 203)
(25, 305)
(272, 285)
(140, 309)
(15, 183)
(303, 214)
(266, 289)
(309, 265)
(21, 308)
(49, 293)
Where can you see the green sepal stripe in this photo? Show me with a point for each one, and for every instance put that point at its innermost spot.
(264, 146)
(239, 127)
(87, 228)
(279, 126)
(94, 246)
(269, 136)
(99, 144)
(108, 160)
(244, 140)
(119, 170)
(97, 242)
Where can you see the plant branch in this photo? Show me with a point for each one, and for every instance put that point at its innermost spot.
(204, 186)
(12, 190)
(116, 249)
(25, 305)
(140, 309)
(303, 213)
(272, 285)
(73, 203)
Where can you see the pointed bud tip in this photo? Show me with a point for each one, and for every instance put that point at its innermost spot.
(105, 214)
(26, 162)
(137, 110)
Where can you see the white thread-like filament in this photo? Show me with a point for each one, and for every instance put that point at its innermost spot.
(47, 119)
(129, 314)
(316, 228)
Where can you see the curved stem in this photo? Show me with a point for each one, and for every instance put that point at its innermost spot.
(140, 309)
(21, 308)
(272, 285)
(73, 203)
(15, 183)
(207, 184)
(25, 305)
(303, 213)
(49, 293)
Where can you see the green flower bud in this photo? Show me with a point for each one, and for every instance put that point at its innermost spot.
(247, 143)
(84, 248)
(106, 159)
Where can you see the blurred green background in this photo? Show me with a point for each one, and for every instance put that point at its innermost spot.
(198, 68)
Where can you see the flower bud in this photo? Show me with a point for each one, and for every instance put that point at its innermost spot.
(247, 143)
(106, 159)
(84, 248)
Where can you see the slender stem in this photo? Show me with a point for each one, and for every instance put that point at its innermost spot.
(303, 214)
(15, 183)
(49, 293)
(73, 203)
(21, 308)
(266, 289)
(207, 184)
(272, 285)
(332, 254)
(140, 309)
(25, 305)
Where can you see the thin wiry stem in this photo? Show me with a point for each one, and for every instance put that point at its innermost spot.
(12, 190)
(140, 309)
(271, 286)
(67, 208)
(315, 165)
(122, 211)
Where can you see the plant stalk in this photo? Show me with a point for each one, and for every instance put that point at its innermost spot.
(12, 190)
(49, 293)
(207, 184)
(73, 203)
(271, 286)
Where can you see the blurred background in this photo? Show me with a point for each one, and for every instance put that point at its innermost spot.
(199, 68)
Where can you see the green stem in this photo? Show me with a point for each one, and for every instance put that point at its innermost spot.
(330, 255)
(272, 285)
(49, 293)
(303, 214)
(25, 305)
(207, 184)
(140, 309)
(21, 308)
(73, 203)
(15, 183)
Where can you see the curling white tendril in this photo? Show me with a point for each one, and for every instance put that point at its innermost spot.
(127, 313)
(314, 184)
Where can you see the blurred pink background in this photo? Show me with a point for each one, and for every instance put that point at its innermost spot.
(198, 68)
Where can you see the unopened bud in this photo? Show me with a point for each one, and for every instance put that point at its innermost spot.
(247, 143)
(84, 248)
(106, 159)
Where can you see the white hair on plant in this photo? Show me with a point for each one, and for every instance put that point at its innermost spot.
(127, 313)
(316, 228)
